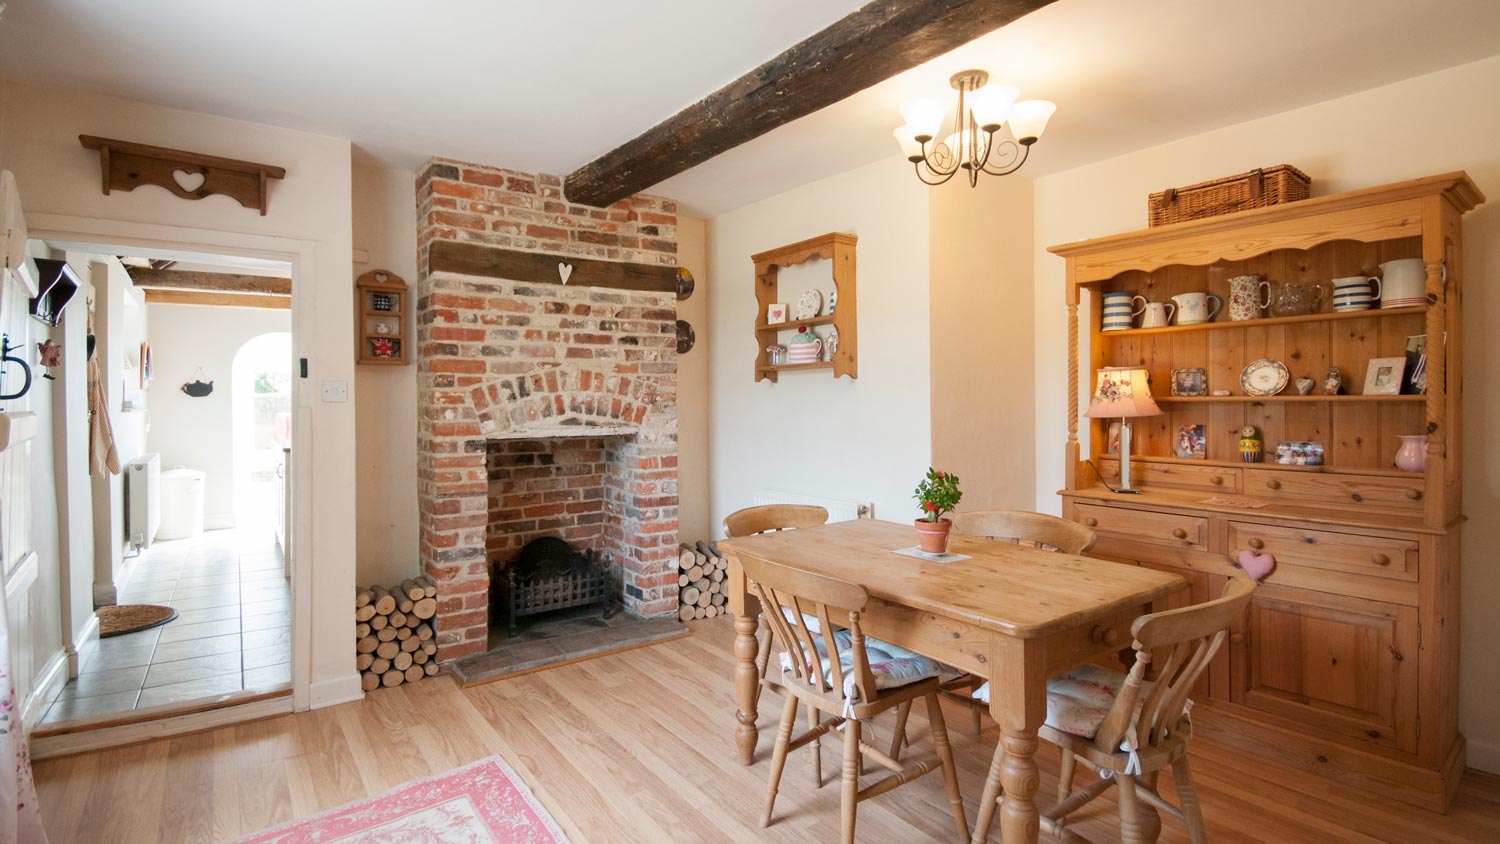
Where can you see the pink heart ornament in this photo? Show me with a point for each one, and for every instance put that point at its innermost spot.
(1258, 566)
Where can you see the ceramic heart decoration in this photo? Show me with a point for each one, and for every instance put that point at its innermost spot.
(1257, 565)
(188, 181)
(564, 271)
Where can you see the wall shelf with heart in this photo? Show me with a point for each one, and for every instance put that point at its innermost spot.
(126, 166)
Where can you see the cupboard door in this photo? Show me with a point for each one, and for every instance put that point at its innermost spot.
(1344, 665)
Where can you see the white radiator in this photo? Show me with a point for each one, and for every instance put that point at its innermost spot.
(142, 499)
(839, 510)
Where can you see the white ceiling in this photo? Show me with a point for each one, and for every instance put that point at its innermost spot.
(550, 86)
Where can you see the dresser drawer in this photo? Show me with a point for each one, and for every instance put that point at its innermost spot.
(1362, 491)
(1378, 556)
(1178, 475)
(1144, 525)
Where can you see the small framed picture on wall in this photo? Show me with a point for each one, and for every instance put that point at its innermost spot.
(776, 314)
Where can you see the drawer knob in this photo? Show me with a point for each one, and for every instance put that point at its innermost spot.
(1273, 484)
(1414, 494)
(1216, 480)
(1091, 521)
(1180, 533)
(1380, 559)
(1104, 635)
(1256, 544)
(1236, 638)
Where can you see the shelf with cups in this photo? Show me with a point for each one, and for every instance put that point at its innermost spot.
(380, 324)
(1279, 399)
(836, 350)
(1266, 321)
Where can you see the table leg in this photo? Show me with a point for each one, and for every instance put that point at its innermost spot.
(746, 686)
(1018, 702)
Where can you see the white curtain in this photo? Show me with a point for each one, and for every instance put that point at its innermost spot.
(20, 817)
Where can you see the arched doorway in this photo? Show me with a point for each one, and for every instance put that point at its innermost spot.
(261, 404)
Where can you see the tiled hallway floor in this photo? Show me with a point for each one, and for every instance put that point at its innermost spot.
(232, 631)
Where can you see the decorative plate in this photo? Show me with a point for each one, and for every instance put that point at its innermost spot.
(809, 305)
(685, 337)
(831, 342)
(685, 283)
(1265, 377)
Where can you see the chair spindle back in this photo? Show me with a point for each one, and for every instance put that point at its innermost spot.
(768, 517)
(1034, 530)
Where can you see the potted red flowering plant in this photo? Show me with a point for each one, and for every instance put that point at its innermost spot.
(938, 493)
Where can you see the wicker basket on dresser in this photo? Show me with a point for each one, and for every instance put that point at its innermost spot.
(1346, 662)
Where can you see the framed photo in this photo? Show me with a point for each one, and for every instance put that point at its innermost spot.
(1384, 376)
(1414, 381)
(1190, 382)
(1192, 442)
(776, 314)
(1114, 439)
(1290, 453)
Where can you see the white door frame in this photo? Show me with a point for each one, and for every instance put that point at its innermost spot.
(300, 254)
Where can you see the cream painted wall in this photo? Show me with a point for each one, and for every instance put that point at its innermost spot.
(385, 229)
(198, 433)
(310, 208)
(694, 516)
(867, 439)
(1431, 124)
(982, 340)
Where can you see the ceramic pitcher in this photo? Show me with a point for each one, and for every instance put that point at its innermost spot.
(1403, 283)
(1192, 308)
(1120, 310)
(1249, 296)
(1158, 314)
(1355, 293)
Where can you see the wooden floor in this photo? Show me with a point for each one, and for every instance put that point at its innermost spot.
(638, 747)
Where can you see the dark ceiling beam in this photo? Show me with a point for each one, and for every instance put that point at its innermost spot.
(214, 282)
(867, 47)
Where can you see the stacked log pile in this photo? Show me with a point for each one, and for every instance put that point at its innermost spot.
(393, 635)
(702, 584)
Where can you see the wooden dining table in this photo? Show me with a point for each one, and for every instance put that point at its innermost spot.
(1012, 614)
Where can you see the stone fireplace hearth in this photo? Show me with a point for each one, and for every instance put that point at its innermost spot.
(544, 409)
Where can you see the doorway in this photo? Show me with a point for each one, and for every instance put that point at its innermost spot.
(195, 359)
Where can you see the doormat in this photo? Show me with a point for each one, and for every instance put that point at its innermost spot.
(128, 618)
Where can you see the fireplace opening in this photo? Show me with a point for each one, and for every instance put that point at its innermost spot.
(549, 575)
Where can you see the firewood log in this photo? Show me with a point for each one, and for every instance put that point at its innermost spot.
(412, 590)
(401, 662)
(380, 665)
(690, 596)
(707, 549)
(424, 608)
(361, 631)
(720, 599)
(361, 597)
(704, 599)
(686, 612)
(362, 661)
(392, 678)
(403, 633)
(717, 575)
(420, 656)
(682, 580)
(710, 611)
(700, 612)
(430, 647)
(695, 573)
(701, 584)
(387, 650)
(385, 602)
(379, 622)
(364, 613)
(686, 559)
(409, 645)
(398, 618)
(386, 634)
(369, 681)
(366, 644)
(424, 631)
(431, 668)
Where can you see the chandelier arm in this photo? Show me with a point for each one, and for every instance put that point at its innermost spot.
(1011, 168)
(917, 165)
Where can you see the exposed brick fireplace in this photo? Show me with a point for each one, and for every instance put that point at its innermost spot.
(544, 409)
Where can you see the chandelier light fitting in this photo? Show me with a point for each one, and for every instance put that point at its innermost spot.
(974, 146)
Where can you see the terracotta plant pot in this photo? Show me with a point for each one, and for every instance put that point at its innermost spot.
(932, 537)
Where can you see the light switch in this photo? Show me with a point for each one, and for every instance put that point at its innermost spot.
(335, 391)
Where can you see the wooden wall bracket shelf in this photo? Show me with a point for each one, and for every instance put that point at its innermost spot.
(837, 248)
(1346, 661)
(125, 165)
(543, 268)
(380, 319)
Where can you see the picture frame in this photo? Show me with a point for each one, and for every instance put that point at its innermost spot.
(1384, 376)
(776, 314)
(1414, 379)
(1190, 382)
(1192, 442)
(1299, 453)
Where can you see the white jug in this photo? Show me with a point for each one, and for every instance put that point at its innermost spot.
(1158, 314)
(1403, 283)
(1192, 308)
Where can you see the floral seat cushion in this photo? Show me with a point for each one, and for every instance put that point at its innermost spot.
(893, 666)
(1077, 701)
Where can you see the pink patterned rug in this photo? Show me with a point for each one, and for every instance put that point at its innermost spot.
(481, 803)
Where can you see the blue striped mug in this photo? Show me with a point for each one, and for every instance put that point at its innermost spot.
(1120, 310)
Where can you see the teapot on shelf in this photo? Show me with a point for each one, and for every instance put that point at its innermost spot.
(804, 346)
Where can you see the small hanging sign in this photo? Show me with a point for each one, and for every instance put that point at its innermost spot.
(198, 388)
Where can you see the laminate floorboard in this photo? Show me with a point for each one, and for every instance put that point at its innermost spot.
(638, 748)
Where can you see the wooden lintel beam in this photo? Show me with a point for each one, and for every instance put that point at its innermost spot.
(213, 282)
(869, 46)
(495, 262)
(218, 300)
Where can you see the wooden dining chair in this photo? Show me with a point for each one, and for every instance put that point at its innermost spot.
(1128, 727)
(840, 673)
(767, 518)
(1018, 527)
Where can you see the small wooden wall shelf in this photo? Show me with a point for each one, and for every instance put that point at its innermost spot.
(837, 248)
(126, 166)
(380, 319)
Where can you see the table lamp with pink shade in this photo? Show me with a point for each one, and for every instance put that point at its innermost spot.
(1123, 392)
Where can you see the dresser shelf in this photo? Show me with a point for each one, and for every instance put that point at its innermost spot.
(795, 367)
(1285, 399)
(1378, 313)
